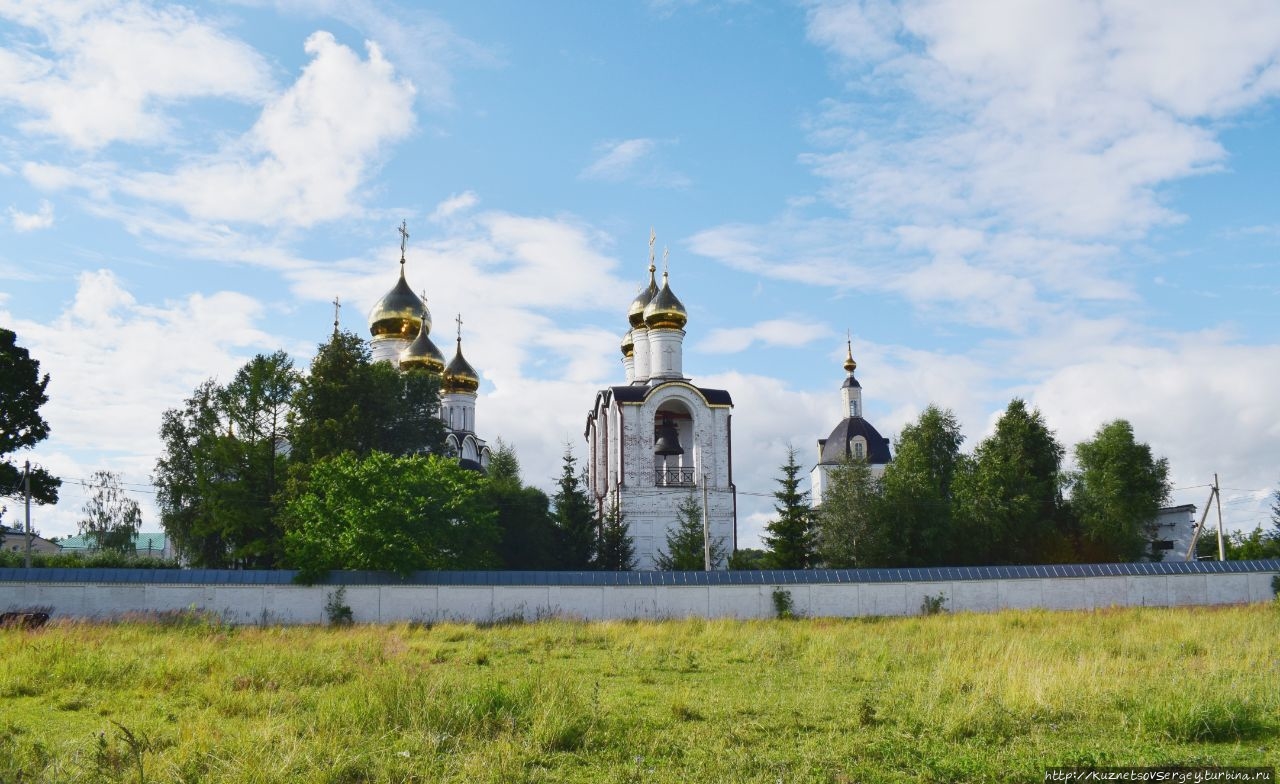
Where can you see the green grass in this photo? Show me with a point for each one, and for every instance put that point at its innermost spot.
(994, 697)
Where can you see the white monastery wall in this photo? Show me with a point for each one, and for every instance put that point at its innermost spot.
(291, 604)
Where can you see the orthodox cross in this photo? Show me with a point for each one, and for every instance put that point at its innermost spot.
(337, 308)
(404, 238)
(652, 239)
(666, 260)
(459, 320)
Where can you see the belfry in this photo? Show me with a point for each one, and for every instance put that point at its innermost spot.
(659, 439)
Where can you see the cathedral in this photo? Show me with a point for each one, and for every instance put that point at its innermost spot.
(854, 438)
(658, 440)
(400, 325)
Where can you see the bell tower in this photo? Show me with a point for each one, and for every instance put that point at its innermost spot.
(658, 439)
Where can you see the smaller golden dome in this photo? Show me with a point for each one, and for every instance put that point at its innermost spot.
(422, 353)
(665, 311)
(460, 376)
(628, 344)
(400, 312)
(849, 364)
(635, 314)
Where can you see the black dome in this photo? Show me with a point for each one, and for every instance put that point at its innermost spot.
(836, 449)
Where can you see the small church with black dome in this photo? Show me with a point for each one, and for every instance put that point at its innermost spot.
(853, 438)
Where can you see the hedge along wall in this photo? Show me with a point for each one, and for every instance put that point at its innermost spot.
(271, 597)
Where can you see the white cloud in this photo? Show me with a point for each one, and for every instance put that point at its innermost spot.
(115, 365)
(632, 160)
(309, 152)
(456, 203)
(105, 72)
(32, 221)
(787, 333)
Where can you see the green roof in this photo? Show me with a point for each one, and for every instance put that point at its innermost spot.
(141, 541)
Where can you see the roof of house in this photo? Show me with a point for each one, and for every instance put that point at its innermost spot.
(141, 541)
(836, 449)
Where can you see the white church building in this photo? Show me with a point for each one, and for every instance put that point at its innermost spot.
(659, 439)
(400, 325)
(853, 438)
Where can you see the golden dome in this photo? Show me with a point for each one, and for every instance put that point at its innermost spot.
(849, 364)
(628, 344)
(635, 314)
(460, 376)
(400, 313)
(422, 353)
(665, 311)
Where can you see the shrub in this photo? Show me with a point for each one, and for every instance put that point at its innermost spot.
(784, 607)
(337, 610)
(933, 605)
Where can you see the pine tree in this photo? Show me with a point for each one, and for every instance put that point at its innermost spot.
(575, 522)
(685, 543)
(616, 551)
(790, 537)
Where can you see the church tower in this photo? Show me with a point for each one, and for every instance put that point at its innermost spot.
(854, 438)
(400, 325)
(658, 440)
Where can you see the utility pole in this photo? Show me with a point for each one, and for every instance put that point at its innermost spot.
(1217, 497)
(26, 482)
(706, 529)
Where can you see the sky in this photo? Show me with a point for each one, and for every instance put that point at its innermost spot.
(1074, 203)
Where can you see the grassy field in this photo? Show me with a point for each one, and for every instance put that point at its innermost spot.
(995, 697)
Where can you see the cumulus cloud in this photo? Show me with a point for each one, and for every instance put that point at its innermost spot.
(32, 221)
(101, 73)
(309, 152)
(458, 202)
(115, 364)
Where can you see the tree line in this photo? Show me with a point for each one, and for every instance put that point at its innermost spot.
(346, 467)
(1010, 502)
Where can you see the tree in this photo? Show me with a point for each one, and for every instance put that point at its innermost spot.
(22, 393)
(850, 531)
(388, 513)
(220, 476)
(790, 537)
(348, 402)
(1117, 491)
(916, 491)
(746, 559)
(685, 541)
(616, 551)
(1009, 498)
(111, 518)
(574, 519)
(526, 531)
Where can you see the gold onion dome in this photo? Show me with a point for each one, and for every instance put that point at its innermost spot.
(635, 314)
(849, 364)
(628, 344)
(400, 312)
(422, 352)
(460, 376)
(665, 311)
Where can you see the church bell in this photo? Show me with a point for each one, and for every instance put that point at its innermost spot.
(668, 441)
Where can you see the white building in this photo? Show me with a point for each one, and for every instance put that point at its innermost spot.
(659, 439)
(853, 438)
(400, 325)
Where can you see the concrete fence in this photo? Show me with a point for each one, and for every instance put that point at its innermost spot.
(478, 602)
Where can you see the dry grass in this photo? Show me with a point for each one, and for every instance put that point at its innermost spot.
(992, 697)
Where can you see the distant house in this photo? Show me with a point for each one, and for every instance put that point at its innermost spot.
(148, 545)
(1171, 533)
(15, 541)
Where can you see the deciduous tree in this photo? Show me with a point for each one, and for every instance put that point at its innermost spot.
(526, 531)
(22, 393)
(1116, 493)
(111, 518)
(851, 533)
(389, 513)
(916, 491)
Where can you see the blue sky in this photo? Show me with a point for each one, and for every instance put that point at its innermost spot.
(1071, 202)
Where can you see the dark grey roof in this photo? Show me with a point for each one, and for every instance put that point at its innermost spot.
(637, 394)
(836, 449)
(471, 465)
(851, 383)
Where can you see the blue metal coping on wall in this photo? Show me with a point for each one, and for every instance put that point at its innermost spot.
(764, 577)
